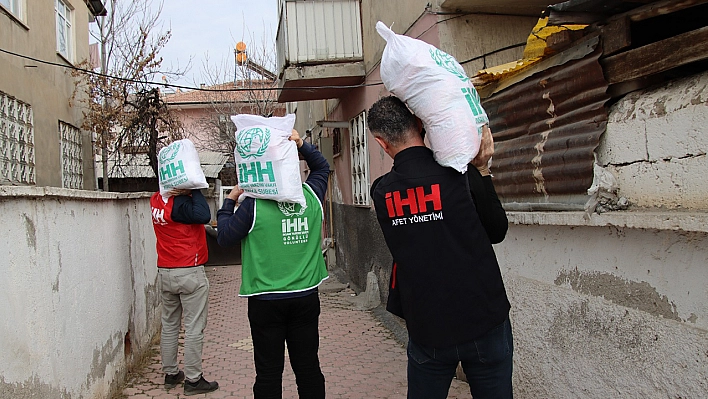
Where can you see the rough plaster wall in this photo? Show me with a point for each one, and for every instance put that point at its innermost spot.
(79, 274)
(607, 313)
(656, 144)
(361, 247)
(569, 345)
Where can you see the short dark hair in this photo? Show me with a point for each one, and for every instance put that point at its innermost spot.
(390, 119)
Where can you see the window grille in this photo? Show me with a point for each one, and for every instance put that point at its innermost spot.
(72, 167)
(16, 141)
(64, 31)
(360, 161)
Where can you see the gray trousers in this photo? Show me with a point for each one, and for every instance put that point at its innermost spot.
(185, 291)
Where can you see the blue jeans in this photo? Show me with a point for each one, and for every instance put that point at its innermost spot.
(487, 362)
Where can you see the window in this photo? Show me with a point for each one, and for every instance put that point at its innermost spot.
(64, 32)
(14, 6)
(72, 167)
(16, 141)
(360, 161)
(336, 141)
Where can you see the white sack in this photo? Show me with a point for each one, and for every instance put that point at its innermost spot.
(178, 167)
(438, 91)
(266, 161)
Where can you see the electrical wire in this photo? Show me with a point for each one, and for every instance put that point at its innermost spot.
(90, 72)
(441, 21)
(513, 46)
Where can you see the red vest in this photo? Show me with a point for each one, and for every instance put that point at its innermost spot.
(178, 244)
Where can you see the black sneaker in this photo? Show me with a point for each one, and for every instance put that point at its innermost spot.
(171, 381)
(201, 386)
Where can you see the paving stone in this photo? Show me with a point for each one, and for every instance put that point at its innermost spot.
(359, 356)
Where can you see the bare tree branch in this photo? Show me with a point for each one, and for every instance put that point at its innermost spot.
(127, 115)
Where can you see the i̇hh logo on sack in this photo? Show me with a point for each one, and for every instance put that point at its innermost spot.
(253, 143)
(448, 62)
(171, 173)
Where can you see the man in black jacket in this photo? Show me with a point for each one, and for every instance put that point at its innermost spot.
(439, 225)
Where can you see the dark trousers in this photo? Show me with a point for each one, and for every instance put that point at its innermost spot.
(275, 322)
(487, 362)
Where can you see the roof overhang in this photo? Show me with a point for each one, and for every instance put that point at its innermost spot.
(319, 82)
(97, 8)
(532, 8)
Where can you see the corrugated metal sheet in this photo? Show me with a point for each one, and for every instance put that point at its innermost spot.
(322, 31)
(546, 129)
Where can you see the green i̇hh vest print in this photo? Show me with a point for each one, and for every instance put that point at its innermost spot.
(282, 252)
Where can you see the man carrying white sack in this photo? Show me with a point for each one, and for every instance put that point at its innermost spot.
(282, 266)
(439, 225)
(178, 220)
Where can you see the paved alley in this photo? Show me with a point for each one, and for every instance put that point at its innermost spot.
(360, 357)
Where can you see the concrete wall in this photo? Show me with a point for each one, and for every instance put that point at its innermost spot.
(656, 144)
(79, 282)
(602, 309)
(400, 15)
(360, 247)
(46, 88)
(606, 308)
(472, 36)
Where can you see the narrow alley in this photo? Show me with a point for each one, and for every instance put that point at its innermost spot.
(360, 357)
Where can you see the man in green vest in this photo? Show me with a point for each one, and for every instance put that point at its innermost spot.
(282, 266)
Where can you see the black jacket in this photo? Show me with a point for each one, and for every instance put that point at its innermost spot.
(446, 281)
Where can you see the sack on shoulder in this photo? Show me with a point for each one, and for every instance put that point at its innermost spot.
(436, 88)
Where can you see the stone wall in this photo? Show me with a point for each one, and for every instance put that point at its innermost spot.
(656, 144)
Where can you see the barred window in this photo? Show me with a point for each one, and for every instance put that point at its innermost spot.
(16, 141)
(360, 160)
(72, 167)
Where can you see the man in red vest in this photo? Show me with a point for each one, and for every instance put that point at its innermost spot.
(179, 221)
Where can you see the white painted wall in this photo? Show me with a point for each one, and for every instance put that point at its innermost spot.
(613, 307)
(656, 144)
(78, 273)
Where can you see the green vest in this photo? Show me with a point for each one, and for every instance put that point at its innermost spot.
(282, 252)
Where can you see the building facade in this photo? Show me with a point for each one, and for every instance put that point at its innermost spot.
(600, 117)
(312, 68)
(40, 137)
